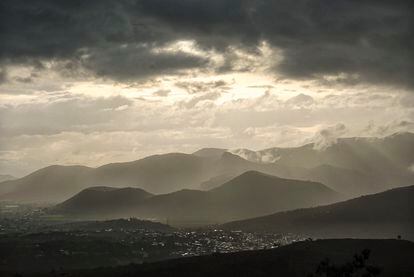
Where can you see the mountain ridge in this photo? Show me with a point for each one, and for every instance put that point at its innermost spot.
(365, 165)
(242, 197)
(389, 213)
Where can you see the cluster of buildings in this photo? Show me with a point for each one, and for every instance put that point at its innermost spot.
(138, 244)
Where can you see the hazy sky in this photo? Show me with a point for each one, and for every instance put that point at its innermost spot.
(92, 82)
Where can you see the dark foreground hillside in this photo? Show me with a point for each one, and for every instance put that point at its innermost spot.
(394, 257)
(382, 215)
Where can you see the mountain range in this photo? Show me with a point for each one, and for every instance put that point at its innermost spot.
(248, 195)
(385, 214)
(351, 166)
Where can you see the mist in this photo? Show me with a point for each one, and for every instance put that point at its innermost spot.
(254, 138)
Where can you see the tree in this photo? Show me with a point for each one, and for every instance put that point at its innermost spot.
(358, 267)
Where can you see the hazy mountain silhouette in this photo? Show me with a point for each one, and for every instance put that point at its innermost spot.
(351, 182)
(4, 187)
(295, 260)
(259, 193)
(47, 184)
(156, 174)
(103, 201)
(6, 177)
(352, 166)
(392, 151)
(215, 181)
(248, 195)
(385, 214)
(210, 152)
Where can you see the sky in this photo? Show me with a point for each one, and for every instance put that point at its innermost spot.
(99, 81)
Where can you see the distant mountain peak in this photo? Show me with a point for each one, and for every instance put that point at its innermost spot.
(103, 200)
(256, 181)
(100, 188)
(230, 156)
(255, 173)
(209, 152)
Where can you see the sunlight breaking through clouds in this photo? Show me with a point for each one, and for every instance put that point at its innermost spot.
(247, 80)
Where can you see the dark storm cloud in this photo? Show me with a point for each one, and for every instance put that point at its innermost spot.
(132, 61)
(107, 37)
(371, 41)
(3, 76)
(200, 87)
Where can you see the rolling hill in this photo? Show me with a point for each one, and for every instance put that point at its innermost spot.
(106, 201)
(156, 174)
(47, 184)
(385, 214)
(248, 195)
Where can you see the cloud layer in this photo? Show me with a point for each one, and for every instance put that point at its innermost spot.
(97, 81)
(352, 41)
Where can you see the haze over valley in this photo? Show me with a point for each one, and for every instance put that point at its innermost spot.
(206, 138)
(351, 167)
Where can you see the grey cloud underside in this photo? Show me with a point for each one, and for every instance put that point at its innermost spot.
(3, 76)
(369, 41)
(127, 63)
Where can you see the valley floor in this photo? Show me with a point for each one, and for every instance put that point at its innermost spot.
(391, 258)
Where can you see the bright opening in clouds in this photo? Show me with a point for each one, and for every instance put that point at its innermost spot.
(93, 82)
